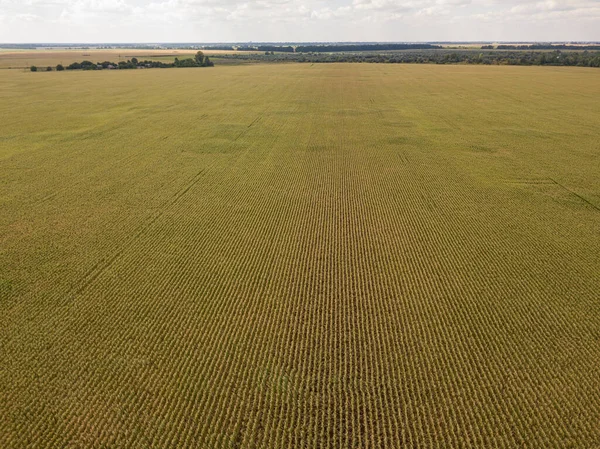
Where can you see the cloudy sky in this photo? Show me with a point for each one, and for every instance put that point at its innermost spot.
(297, 20)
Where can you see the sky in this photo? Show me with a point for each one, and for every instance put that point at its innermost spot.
(154, 21)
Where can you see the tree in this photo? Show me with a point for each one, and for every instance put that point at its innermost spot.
(33, 68)
(199, 58)
(88, 65)
(134, 61)
(48, 69)
(59, 68)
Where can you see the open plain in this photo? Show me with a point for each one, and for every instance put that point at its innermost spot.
(296, 255)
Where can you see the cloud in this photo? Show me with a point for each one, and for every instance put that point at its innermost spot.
(305, 20)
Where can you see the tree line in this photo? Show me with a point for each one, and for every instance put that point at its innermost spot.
(199, 60)
(363, 47)
(543, 58)
(544, 47)
(329, 48)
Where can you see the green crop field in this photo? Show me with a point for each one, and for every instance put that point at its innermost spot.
(300, 255)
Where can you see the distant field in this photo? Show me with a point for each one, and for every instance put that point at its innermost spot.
(44, 58)
(300, 256)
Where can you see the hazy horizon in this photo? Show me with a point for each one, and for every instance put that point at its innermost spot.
(255, 42)
(196, 21)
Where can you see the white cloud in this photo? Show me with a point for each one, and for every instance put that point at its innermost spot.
(299, 20)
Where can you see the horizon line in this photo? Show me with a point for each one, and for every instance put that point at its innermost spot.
(308, 42)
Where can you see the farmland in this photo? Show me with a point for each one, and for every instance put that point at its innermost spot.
(16, 59)
(296, 255)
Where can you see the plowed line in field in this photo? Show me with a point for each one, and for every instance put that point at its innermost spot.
(589, 203)
(104, 264)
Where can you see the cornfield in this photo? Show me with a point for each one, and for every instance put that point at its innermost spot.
(279, 256)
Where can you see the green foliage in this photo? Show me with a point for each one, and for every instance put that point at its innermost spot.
(83, 65)
(437, 56)
(199, 60)
(33, 68)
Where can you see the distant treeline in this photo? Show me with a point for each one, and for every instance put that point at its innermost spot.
(220, 47)
(554, 58)
(326, 48)
(199, 60)
(542, 47)
(269, 48)
(363, 47)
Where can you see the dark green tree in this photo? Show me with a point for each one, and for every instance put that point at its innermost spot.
(33, 68)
